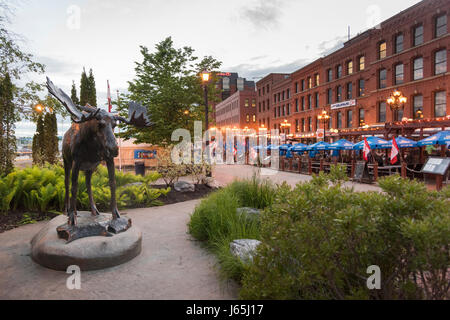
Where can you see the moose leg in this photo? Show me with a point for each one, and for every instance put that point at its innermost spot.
(67, 170)
(94, 210)
(112, 186)
(73, 200)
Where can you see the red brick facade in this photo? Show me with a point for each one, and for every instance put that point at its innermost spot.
(238, 111)
(364, 73)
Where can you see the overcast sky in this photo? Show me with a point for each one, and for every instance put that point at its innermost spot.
(252, 37)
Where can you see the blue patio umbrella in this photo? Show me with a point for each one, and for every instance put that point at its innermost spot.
(300, 147)
(403, 142)
(272, 147)
(441, 138)
(374, 143)
(285, 147)
(341, 145)
(319, 146)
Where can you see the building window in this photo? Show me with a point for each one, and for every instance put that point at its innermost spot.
(382, 112)
(339, 120)
(259, 92)
(441, 26)
(279, 97)
(362, 63)
(268, 104)
(309, 101)
(440, 61)
(329, 96)
(418, 68)
(284, 110)
(382, 79)
(247, 103)
(349, 118)
(349, 91)
(350, 67)
(310, 84)
(275, 112)
(303, 103)
(330, 122)
(338, 94)
(259, 105)
(282, 96)
(361, 119)
(317, 99)
(440, 104)
(254, 118)
(399, 74)
(254, 103)
(288, 109)
(338, 71)
(399, 43)
(303, 125)
(275, 98)
(288, 93)
(418, 107)
(296, 105)
(264, 90)
(418, 35)
(303, 85)
(248, 118)
(316, 80)
(361, 87)
(382, 50)
(296, 87)
(309, 124)
(264, 106)
(329, 75)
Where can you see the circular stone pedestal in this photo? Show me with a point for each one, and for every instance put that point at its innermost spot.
(92, 253)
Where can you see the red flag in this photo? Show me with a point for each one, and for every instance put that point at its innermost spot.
(366, 150)
(394, 152)
(109, 99)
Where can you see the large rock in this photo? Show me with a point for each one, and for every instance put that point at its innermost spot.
(183, 186)
(244, 249)
(91, 253)
(249, 213)
(211, 183)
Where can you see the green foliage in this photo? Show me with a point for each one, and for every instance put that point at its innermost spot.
(7, 119)
(88, 92)
(42, 190)
(38, 141)
(216, 221)
(167, 82)
(319, 239)
(50, 143)
(73, 94)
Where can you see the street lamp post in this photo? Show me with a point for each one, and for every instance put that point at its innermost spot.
(205, 80)
(325, 118)
(396, 101)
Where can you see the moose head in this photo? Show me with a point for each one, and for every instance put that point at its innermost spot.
(90, 141)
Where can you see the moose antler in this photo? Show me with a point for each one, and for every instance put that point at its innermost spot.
(76, 115)
(137, 116)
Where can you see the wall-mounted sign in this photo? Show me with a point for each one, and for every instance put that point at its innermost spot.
(224, 74)
(145, 154)
(344, 104)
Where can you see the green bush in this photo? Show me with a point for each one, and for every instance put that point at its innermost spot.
(319, 239)
(39, 189)
(216, 221)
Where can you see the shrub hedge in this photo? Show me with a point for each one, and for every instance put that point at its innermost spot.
(319, 238)
(39, 189)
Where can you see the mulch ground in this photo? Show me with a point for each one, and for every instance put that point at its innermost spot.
(16, 219)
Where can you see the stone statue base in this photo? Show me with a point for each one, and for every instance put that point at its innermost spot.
(99, 243)
(92, 226)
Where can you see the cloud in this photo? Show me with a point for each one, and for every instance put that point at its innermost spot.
(263, 13)
(60, 66)
(256, 71)
(327, 47)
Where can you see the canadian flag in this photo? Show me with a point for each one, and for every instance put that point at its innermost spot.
(109, 98)
(394, 152)
(366, 150)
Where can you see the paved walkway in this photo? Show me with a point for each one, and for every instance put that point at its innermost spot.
(225, 174)
(171, 265)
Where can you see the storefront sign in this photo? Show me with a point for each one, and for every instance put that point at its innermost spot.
(344, 104)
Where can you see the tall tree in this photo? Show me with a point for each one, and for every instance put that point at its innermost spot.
(7, 119)
(84, 88)
(167, 82)
(38, 141)
(92, 90)
(74, 95)
(50, 140)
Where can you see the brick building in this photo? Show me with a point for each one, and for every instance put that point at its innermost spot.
(239, 111)
(408, 52)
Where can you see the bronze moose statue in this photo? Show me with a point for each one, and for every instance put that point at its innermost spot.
(88, 142)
